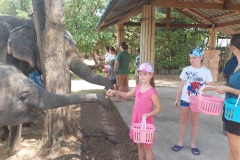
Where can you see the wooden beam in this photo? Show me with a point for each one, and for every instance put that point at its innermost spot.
(163, 25)
(137, 9)
(230, 23)
(227, 30)
(227, 4)
(200, 15)
(185, 25)
(193, 5)
(168, 17)
(187, 15)
(224, 15)
(105, 26)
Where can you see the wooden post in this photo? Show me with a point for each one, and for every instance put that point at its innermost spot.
(168, 17)
(120, 31)
(211, 61)
(211, 56)
(147, 42)
(212, 39)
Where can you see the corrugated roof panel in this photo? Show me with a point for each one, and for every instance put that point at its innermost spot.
(226, 19)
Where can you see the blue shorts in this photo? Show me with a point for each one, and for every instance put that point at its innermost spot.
(184, 103)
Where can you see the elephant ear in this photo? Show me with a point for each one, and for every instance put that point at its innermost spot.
(22, 44)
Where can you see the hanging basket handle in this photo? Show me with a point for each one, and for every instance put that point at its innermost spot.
(144, 123)
(237, 101)
(208, 86)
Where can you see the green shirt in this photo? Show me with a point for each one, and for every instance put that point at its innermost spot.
(123, 59)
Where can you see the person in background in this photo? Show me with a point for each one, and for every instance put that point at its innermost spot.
(36, 76)
(118, 49)
(193, 77)
(233, 91)
(146, 105)
(107, 60)
(136, 66)
(112, 74)
(229, 67)
(121, 68)
(227, 71)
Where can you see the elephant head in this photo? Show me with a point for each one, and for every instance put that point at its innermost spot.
(23, 53)
(22, 100)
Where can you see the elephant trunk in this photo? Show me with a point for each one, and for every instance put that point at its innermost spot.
(77, 66)
(49, 100)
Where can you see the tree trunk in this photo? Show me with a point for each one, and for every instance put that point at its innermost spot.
(50, 26)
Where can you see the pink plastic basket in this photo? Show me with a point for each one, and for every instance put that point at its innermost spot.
(143, 132)
(207, 104)
(194, 103)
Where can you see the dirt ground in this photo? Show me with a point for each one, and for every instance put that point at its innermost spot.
(105, 134)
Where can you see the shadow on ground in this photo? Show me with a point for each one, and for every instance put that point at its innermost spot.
(105, 134)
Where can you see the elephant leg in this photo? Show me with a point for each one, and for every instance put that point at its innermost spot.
(5, 134)
(14, 136)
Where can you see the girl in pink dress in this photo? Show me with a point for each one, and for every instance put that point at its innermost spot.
(147, 104)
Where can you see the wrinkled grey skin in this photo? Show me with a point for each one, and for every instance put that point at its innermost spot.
(22, 100)
(18, 47)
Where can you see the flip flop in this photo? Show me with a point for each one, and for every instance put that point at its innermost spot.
(177, 148)
(195, 151)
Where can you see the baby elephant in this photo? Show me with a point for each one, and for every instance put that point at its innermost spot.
(22, 100)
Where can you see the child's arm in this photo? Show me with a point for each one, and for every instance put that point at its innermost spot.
(121, 94)
(157, 106)
(176, 103)
(115, 66)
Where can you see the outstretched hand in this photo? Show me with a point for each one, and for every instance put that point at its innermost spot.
(110, 92)
(222, 89)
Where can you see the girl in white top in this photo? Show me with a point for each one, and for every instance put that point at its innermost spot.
(193, 78)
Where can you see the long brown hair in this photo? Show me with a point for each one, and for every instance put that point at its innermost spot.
(235, 41)
(152, 83)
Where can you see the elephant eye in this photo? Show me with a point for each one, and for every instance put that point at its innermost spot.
(24, 97)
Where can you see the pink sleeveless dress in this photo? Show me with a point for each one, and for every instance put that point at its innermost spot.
(143, 104)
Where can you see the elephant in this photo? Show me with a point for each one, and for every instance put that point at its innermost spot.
(18, 47)
(22, 100)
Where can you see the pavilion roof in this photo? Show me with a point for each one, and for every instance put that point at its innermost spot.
(221, 14)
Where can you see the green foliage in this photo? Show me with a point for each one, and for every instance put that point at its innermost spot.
(175, 17)
(81, 19)
(81, 16)
(132, 35)
(173, 46)
(18, 8)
